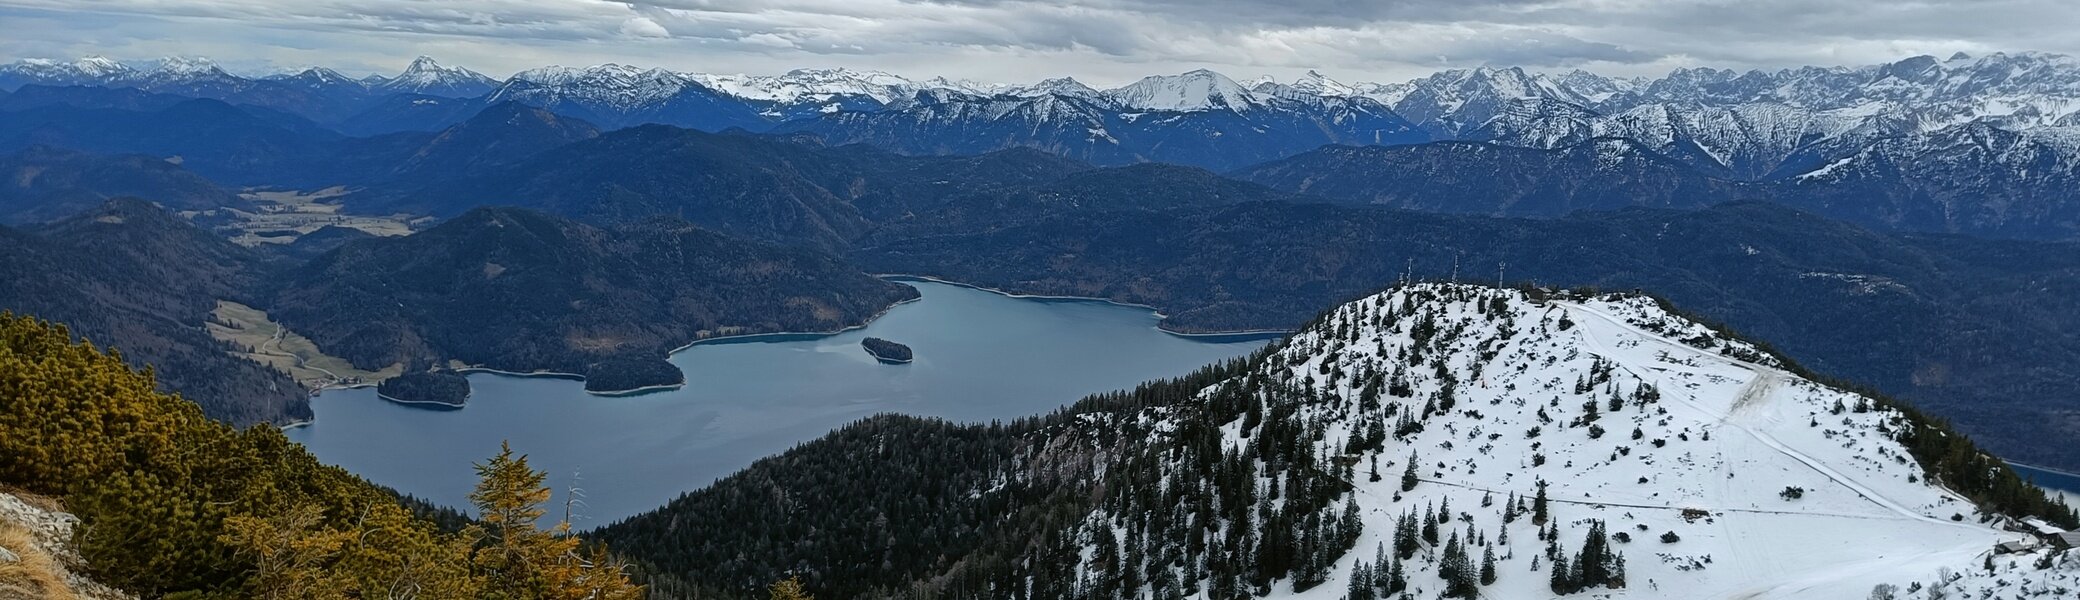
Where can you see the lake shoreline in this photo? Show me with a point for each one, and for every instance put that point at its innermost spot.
(1236, 335)
(2065, 486)
(1157, 311)
(445, 405)
(637, 391)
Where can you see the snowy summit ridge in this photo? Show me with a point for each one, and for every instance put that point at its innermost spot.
(1522, 430)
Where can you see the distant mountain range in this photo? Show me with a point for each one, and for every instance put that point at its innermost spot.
(1756, 125)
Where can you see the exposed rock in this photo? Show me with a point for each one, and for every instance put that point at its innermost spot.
(47, 554)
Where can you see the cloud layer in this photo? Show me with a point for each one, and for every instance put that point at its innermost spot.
(1107, 41)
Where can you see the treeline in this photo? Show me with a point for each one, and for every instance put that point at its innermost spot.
(438, 387)
(176, 505)
(887, 351)
(894, 505)
(621, 374)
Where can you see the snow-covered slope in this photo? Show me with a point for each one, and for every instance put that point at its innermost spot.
(812, 85)
(426, 76)
(1192, 91)
(1715, 470)
(90, 70)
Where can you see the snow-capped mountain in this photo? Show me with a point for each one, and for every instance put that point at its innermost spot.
(813, 85)
(610, 85)
(320, 79)
(622, 96)
(1059, 86)
(1466, 441)
(90, 70)
(1226, 128)
(2033, 85)
(1975, 177)
(1311, 84)
(1192, 91)
(1452, 103)
(428, 77)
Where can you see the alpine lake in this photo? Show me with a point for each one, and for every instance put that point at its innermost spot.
(980, 356)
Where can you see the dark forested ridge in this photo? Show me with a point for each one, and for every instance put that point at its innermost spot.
(518, 290)
(1978, 180)
(1967, 328)
(131, 276)
(755, 187)
(44, 184)
(1492, 179)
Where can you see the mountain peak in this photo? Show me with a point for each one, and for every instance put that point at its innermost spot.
(1314, 82)
(100, 65)
(187, 65)
(1195, 90)
(426, 76)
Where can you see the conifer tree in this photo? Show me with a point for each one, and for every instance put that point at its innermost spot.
(1488, 566)
(1538, 504)
(789, 589)
(523, 562)
(1408, 476)
(1397, 578)
(1561, 583)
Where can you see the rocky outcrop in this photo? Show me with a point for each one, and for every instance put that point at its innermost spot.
(37, 559)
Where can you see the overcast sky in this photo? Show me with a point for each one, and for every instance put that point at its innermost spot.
(1100, 41)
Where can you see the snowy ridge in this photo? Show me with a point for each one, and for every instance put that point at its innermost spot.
(1192, 91)
(812, 85)
(617, 86)
(1715, 472)
(426, 76)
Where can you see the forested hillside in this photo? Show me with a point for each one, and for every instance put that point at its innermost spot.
(130, 275)
(518, 290)
(174, 504)
(47, 184)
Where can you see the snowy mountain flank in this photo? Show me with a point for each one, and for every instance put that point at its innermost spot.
(1480, 442)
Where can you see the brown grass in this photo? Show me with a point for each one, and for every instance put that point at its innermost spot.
(40, 501)
(36, 576)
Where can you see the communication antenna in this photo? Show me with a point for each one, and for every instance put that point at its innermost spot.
(1501, 268)
(1455, 267)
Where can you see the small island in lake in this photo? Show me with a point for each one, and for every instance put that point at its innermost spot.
(445, 388)
(632, 375)
(886, 351)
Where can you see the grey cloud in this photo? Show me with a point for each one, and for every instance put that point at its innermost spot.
(1022, 39)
